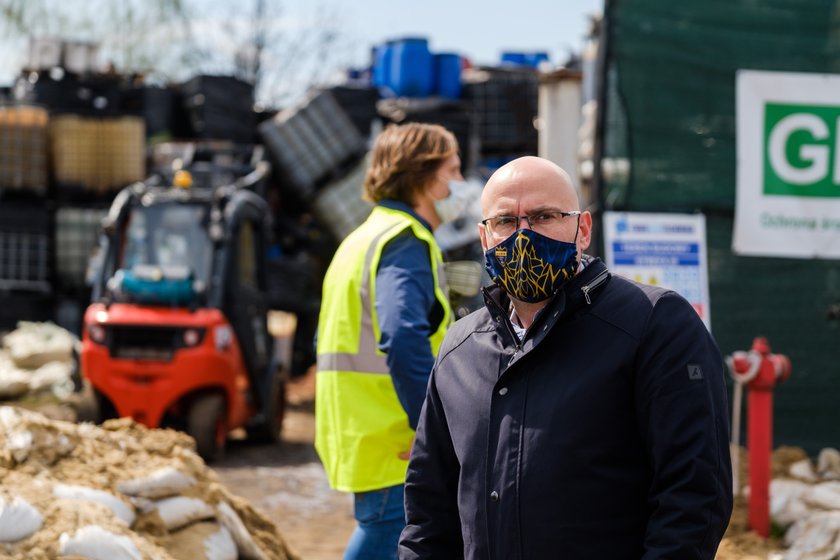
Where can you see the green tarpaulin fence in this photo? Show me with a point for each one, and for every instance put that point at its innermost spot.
(670, 101)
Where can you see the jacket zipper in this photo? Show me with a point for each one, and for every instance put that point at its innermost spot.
(600, 279)
(515, 352)
(516, 342)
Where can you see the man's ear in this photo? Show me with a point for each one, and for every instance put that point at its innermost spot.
(585, 235)
(482, 232)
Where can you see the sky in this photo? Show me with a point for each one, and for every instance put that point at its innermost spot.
(480, 31)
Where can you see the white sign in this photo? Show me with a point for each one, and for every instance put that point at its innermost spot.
(667, 250)
(787, 201)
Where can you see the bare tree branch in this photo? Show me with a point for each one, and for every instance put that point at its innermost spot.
(175, 39)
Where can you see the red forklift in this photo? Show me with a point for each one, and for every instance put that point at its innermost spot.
(177, 332)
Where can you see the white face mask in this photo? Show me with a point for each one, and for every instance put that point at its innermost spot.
(450, 208)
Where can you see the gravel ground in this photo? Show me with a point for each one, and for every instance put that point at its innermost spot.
(287, 483)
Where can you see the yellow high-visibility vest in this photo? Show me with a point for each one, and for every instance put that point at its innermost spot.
(360, 425)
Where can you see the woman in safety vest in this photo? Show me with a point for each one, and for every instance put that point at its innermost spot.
(384, 312)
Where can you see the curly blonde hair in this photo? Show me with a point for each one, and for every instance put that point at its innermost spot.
(404, 160)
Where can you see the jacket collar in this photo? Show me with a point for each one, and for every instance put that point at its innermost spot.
(580, 291)
(403, 207)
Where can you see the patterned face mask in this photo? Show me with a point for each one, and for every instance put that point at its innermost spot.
(531, 267)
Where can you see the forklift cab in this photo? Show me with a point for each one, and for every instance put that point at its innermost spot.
(177, 331)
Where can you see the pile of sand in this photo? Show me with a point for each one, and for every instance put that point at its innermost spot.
(118, 491)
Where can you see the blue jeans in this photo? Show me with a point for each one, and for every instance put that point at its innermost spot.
(380, 515)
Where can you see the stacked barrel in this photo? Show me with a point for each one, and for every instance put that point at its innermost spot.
(418, 85)
(67, 145)
(23, 148)
(491, 109)
(316, 150)
(505, 104)
(26, 248)
(97, 154)
(70, 138)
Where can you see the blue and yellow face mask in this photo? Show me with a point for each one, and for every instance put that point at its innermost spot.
(531, 267)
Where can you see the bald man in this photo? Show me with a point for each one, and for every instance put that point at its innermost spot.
(577, 415)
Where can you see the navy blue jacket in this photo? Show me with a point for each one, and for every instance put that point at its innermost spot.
(603, 434)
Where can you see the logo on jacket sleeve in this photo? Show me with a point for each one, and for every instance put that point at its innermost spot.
(694, 372)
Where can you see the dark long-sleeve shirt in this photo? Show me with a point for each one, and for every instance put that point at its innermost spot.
(406, 307)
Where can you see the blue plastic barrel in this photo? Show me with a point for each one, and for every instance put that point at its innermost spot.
(382, 64)
(533, 59)
(510, 57)
(411, 68)
(447, 75)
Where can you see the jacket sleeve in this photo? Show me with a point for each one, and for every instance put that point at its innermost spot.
(405, 296)
(433, 527)
(683, 420)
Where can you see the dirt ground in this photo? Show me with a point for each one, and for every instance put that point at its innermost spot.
(287, 483)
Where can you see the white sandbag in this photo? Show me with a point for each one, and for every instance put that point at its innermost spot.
(248, 549)
(9, 417)
(803, 470)
(816, 537)
(32, 345)
(18, 520)
(95, 543)
(823, 496)
(19, 440)
(220, 546)
(20, 443)
(180, 510)
(50, 374)
(794, 531)
(13, 382)
(161, 483)
(123, 511)
(828, 464)
(786, 505)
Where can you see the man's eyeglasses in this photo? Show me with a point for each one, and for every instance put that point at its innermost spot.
(504, 226)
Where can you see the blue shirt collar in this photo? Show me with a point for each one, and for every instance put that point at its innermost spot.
(403, 207)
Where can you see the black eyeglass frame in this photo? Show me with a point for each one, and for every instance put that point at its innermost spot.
(527, 218)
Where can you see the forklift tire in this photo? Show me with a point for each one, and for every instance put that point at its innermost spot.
(92, 406)
(268, 429)
(86, 404)
(76, 373)
(207, 424)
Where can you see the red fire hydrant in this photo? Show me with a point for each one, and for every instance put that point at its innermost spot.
(760, 371)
